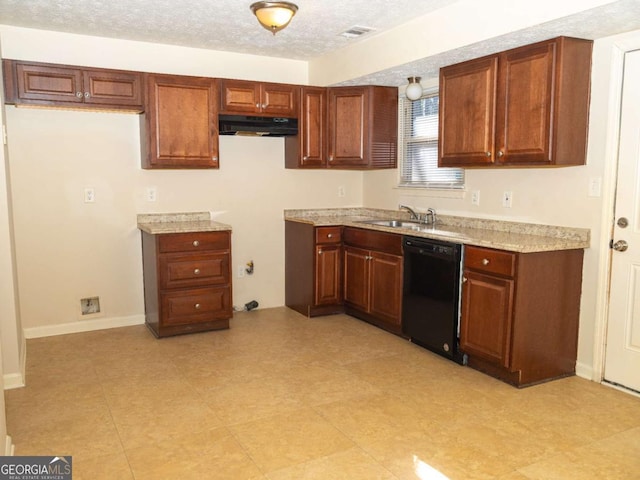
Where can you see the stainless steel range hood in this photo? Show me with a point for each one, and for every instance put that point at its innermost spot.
(257, 126)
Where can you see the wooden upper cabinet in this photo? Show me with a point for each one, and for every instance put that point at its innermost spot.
(308, 149)
(33, 83)
(467, 111)
(247, 97)
(524, 107)
(363, 127)
(180, 123)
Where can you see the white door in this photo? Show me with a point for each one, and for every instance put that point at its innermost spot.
(622, 360)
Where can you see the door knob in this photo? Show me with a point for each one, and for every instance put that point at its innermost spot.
(620, 246)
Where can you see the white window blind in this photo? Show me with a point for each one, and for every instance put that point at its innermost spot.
(419, 146)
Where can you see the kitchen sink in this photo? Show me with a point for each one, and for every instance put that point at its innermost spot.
(395, 224)
(416, 227)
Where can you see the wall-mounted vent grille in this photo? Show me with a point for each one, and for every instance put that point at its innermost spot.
(356, 31)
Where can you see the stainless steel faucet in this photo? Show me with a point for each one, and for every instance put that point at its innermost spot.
(431, 212)
(414, 215)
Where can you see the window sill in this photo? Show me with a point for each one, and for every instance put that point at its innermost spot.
(432, 192)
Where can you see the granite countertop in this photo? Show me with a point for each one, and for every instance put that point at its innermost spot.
(503, 235)
(158, 223)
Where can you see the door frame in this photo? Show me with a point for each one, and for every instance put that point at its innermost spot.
(618, 48)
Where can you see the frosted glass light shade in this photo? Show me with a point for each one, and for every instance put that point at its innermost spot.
(414, 89)
(274, 16)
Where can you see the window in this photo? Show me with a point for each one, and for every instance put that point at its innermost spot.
(419, 146)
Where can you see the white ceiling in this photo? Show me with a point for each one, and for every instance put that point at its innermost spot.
(229, 25)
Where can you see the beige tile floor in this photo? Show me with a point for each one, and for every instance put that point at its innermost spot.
(280, 396)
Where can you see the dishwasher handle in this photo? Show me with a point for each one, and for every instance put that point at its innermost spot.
(434, 249)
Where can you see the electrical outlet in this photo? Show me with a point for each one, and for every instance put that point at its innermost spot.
(475, 197)
(595, 187)
(507, 199)
(341, 191)
(152, 194)
(241, 271)
(89, 195)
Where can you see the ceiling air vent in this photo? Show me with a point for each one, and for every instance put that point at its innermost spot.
(356, 31)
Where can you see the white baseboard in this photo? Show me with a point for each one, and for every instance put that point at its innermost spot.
(9, 447)
(586, 371)
(17, 380)
(83, 326)
(13, 380)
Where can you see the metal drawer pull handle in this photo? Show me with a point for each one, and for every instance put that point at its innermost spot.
(319, 252)
(485, 261)
(197, 305)
(196, 243)
(87, 94)
(464, 279)
(488, 154)
(330, 235)
(79, 94)
(197, 271)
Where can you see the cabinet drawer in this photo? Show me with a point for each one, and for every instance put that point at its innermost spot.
(491, 261)
(197, 305)
(194, 270)
(328, 234)
(193, 242)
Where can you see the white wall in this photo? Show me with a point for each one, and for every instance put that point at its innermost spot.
(67, 250)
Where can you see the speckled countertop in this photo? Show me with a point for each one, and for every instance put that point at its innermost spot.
(158, 223)
(510, 236)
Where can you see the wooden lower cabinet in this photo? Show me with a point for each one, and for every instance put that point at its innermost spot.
(187, 282)
(373, 277)
(520, 313)
(313, 268)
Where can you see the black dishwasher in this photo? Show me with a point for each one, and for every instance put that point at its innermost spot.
(431, 295)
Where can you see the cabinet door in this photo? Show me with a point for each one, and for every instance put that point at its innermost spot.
(467, 113)
(240, 96)
(49, 83)
(328, 274)
(386, 287)
(112, 88)
(279, 99)
(312, 127)
(356, 277)
(525, 104)
(348, 126)
(485, 324)
(182, 122)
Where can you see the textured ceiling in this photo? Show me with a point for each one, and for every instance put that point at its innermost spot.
(216, 24)
(229, 25)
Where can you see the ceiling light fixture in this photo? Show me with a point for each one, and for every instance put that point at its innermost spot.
(414, 89)
(274, 16)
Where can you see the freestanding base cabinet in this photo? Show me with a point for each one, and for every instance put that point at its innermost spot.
(187, 281)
